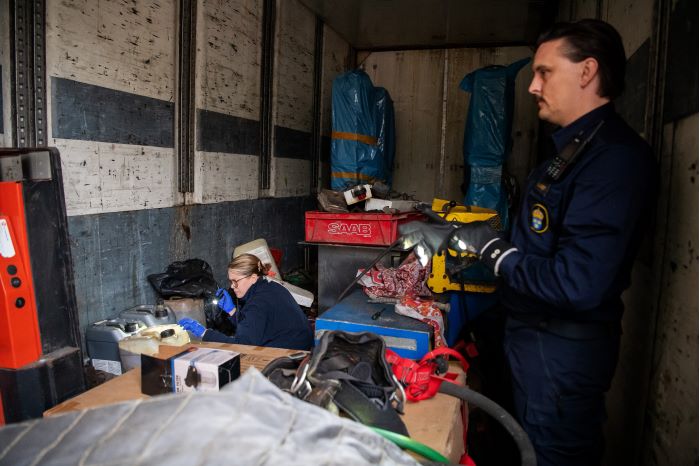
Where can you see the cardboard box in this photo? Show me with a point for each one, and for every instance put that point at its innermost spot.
(195, 369)
(410, 338)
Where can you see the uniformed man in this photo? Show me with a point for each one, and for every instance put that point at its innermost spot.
(572, 246)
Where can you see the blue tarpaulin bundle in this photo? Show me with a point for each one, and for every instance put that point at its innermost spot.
(487, 133)
(362, 147)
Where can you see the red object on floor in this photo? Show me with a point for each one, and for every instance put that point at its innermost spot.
(277, 255)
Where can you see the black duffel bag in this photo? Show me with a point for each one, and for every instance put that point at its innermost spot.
(348, 373)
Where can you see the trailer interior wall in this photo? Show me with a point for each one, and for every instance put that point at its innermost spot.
(431, 112)
(112, 86)
(653, 403)
(671, 422)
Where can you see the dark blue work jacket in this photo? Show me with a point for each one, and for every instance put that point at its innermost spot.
(267, 316)
(577, 243)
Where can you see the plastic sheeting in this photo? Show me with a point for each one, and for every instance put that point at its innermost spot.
(487, 133)
(249, 422)
(363, 139)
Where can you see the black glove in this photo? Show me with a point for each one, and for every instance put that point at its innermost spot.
(479, 238)
(427, 238)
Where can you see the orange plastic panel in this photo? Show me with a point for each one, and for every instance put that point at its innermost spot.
(20, 341)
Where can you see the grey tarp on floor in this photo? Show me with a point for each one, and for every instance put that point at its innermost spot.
(249, 422)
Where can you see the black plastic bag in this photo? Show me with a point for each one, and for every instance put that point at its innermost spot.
(191, 278)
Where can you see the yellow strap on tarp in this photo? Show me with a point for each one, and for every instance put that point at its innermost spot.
(371, 140)
(359, 176)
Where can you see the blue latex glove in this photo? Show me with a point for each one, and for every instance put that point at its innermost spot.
(225, 301)
(192, 326)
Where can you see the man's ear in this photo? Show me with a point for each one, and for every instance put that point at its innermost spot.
(589, 71)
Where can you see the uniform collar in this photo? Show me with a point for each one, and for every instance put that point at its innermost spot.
(563, 136)
(251, 289)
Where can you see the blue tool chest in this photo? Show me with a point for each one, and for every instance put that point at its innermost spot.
(409, 337)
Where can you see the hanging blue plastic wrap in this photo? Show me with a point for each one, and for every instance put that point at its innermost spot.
(487, 133)
(363, 144)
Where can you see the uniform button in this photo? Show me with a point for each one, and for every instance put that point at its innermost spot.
(19, 302)
(15, 282)
(11, 269)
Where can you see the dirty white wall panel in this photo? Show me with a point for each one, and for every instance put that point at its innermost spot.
(104, 177)
(525, 121)
(293, 99)
(228, 57)
(126, 46)
(228, 83)
(672, 429)
(414, 80)
(634, 33)
(336, 52)
(225, 177)
(335, 57)
(294, 65)
(291, 177)
(632, 18)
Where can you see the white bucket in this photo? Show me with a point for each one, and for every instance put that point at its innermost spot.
(259, 249)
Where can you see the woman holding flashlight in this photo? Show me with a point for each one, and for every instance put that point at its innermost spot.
(267, 314)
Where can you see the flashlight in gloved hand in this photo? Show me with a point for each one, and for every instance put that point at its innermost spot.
(478, 238)
(225, 302)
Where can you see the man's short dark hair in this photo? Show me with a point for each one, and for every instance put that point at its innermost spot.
(592, 38)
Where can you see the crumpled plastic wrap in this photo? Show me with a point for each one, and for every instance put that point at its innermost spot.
(267, 425)
(408, 279)
(425, 311)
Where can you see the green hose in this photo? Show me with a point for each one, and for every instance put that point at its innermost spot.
(409, 444)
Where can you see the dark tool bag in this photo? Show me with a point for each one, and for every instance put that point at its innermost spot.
(346, 372)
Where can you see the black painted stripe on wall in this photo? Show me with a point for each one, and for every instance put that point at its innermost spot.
(218, 132)
(292, 143)
(93, 113)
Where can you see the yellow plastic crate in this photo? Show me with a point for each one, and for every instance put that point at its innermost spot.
(438, 280)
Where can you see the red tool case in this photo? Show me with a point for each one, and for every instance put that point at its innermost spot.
(368, 229)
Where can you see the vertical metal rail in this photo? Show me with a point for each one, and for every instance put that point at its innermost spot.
(316, 124)
(266, 83)
(185, 104)
(28, 37)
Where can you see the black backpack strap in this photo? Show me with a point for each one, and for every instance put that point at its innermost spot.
(356, 404)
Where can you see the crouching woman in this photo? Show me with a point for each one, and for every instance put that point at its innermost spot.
(266, 315)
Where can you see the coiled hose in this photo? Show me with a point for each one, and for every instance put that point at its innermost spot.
(527, 452)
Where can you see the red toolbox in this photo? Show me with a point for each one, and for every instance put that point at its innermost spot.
(369, 229)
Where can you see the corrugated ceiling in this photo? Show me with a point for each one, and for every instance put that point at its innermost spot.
(406, 24)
